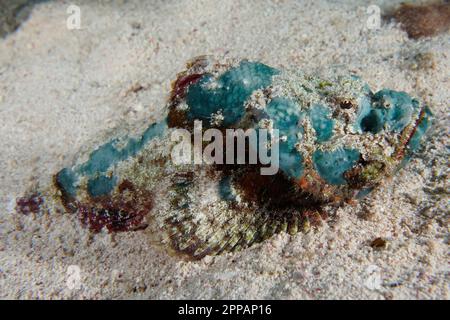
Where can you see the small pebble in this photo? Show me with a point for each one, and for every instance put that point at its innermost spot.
(379, 243)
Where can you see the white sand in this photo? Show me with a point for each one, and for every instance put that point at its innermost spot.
(63, 90)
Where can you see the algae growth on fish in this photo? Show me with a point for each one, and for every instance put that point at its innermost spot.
(337, 140)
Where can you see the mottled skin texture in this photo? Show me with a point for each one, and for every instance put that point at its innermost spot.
(338, 141)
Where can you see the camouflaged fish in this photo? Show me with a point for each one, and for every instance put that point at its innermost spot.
(337, 141)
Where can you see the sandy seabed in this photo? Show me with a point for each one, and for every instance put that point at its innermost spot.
(62, 90)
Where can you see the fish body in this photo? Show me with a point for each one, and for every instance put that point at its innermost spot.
(336, 140)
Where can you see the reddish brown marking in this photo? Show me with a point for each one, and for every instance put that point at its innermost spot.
(182, 83)
(176, 118)
(27, 205)
(303, 183)
(125, 185)
(124, 211)
(275, 192)
(403, 145)
(117, 213)
(378, 243)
